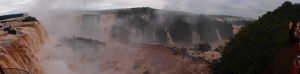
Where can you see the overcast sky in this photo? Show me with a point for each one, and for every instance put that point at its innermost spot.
(244, 8)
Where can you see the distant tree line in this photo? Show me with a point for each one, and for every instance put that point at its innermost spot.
(29, 19)
(3, 17)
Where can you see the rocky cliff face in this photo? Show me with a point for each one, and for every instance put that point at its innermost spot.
(159, 26)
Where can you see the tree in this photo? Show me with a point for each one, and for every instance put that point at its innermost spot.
(256, 45)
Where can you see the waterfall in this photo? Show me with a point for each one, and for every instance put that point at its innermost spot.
(169, 38)
(218, 34)
(196, 37)
(23, 51)
(90, 26)
(137, 36)
(106, 24)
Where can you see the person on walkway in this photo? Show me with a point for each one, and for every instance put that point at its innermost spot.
(297, 32)
(292, 32)
(297, 64)
(294, 35)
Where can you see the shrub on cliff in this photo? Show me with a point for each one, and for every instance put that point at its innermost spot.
(29, 19)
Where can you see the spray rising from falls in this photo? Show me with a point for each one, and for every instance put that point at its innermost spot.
(147, 25)
(21, 44)
(112, 42)
(109, 42)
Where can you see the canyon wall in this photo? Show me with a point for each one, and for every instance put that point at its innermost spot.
(146, 25)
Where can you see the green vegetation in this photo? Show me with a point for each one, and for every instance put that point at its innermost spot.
(257, 44)
(11, 16)
(29, 19)
(202, 47)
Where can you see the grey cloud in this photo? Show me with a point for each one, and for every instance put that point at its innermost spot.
(14, 6)
(244, 8)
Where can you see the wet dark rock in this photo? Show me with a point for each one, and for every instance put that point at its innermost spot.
(12, 31)
(146, 72)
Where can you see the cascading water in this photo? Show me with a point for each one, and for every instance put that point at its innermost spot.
(105, 43)
(106, 25)
(23, 51)
(196, 37)
(218, 34)
(169, 38)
